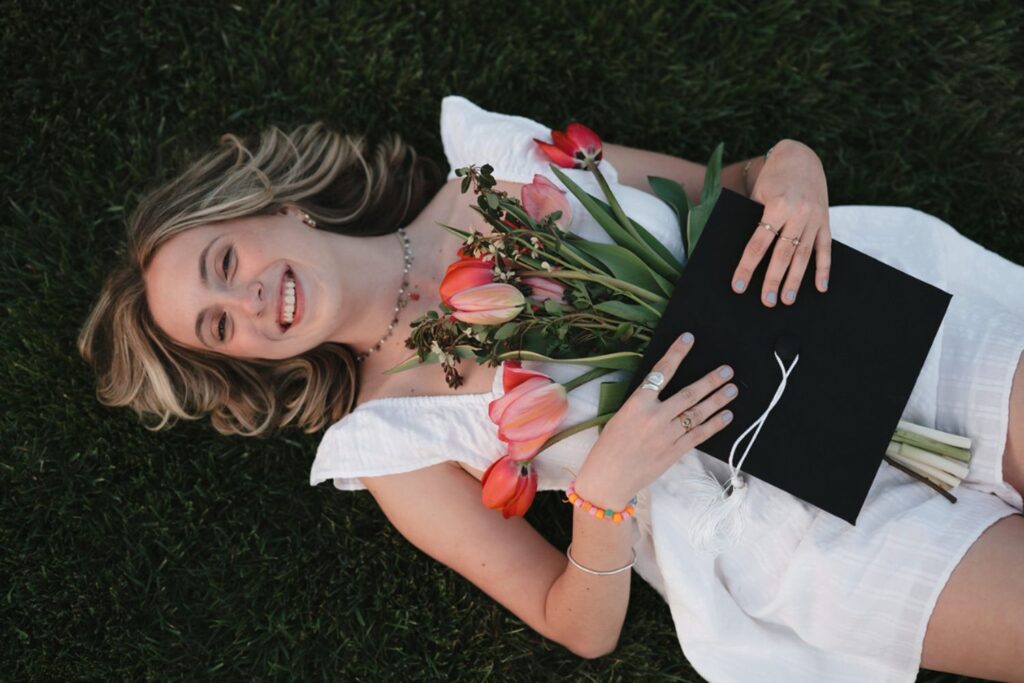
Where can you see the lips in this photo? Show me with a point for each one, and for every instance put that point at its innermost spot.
(289, 301)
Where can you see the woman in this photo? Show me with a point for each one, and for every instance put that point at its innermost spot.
(266, 287)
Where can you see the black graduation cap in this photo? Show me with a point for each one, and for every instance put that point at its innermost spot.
(861, 347)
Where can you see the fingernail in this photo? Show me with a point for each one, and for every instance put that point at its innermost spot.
(739, 285)
(687, 338)
(770, 297)
(727, 416)
(790, 295)
(730, 391)
(725, 372)
(824, 283)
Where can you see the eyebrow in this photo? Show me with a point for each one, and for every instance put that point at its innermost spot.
(204, 277)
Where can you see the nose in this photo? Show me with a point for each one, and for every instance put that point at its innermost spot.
(248, 298)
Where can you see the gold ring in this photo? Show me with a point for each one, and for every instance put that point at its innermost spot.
(686, 422)
(769, 227)
(794, 240)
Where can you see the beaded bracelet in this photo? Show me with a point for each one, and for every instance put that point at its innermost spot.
(601, 513)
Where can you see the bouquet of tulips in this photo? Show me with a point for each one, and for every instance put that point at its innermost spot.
(532, 290)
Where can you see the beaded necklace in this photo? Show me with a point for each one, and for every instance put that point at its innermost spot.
(403, 295)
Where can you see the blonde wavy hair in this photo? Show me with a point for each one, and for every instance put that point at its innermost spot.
(338, 181)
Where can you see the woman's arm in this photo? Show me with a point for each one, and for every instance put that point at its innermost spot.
(438, 510)
(634, 165)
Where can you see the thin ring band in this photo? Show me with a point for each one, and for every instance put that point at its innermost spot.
(794, 240)
(687, 422)
(769, 227)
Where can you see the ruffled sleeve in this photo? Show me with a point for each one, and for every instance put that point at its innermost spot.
(472, 135)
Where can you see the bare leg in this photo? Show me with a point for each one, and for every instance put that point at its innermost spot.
(977, 628)
(1013, 456)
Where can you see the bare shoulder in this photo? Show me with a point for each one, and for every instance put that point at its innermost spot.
(438, 509)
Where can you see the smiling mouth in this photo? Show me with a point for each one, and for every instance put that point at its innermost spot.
(286, 314)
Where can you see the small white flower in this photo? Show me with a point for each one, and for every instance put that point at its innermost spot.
(546, 266)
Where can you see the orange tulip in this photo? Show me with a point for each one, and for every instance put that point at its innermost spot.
(577, 147)
(530, 411)
(464, 274)
(542, 198)
(491, 304)
(509, 486)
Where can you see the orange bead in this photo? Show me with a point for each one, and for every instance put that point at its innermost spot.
(617, 517)
(573, 497)
(629, 509)
(587, 506)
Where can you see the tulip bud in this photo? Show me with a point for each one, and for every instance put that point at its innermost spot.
(544, 289)
(530, 411)
(491, 304)
(509, 486)
(577, 147)
(465, 274)
(542, 198)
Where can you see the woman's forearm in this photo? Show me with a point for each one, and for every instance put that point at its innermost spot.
(589, 610)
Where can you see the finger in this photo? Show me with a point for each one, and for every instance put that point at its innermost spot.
(797, 267)
(759, 244)
(782, 256)
(822, 257)
(706, 408)
(689, 395)
(703, 432)
(667, 365)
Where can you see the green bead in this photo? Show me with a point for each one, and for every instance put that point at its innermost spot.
(609, 512)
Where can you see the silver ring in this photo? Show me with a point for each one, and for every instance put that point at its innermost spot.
(653, 381)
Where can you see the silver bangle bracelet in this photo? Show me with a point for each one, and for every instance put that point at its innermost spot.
(594, 572)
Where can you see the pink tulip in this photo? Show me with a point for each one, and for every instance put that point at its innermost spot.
(544, 289)
(490, 304)
(464, 274)
(542, 198)
(530, 411)
(509, 486)
(575, 148)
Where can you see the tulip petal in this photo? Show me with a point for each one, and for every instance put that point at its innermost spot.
(556, 155)
(541, 200)
(525, 450)
(536, 412)
(584, 138)
(496, 409)
(487, 297)
(514, 375)
(524, 497)
(565, 143)
(493, 317)
(544, 289)
(464, 274)
(500, 483)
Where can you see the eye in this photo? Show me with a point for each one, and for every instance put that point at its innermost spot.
(227, 262)
(222, 324)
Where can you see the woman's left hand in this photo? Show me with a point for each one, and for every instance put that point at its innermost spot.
(791, 185)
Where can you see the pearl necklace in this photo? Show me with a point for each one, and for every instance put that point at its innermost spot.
(403, 295)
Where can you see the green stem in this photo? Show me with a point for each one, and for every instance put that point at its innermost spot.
(600, 279)
(932, 445)
(576, 429)
(620, 215)
(584, 378)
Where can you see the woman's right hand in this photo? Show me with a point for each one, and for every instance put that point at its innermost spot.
(645, 437)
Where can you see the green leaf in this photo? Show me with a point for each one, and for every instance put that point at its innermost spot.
(506, 331)
(621, 360)
(612, 396)
(623, 311)
(698, 216)
(552, 307)
(673, 194)
(626, 265)
(603, 217)
(663, 261)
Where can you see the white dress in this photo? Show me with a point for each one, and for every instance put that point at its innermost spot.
(805, 596)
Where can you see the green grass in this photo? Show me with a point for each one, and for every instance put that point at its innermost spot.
(129, 555)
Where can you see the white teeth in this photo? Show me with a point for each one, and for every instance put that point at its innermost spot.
(288, 309)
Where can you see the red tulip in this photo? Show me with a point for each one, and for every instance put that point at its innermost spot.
(490, 304)
(464, 274)
(577, 147)
(542, 198)
(544, 289)
(530, 411)
(509, 486)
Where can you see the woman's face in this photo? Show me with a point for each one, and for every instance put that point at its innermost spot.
(256, 287)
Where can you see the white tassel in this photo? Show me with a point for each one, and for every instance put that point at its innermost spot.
(719, 522)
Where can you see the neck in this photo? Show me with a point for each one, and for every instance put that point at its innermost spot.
(375, 274)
